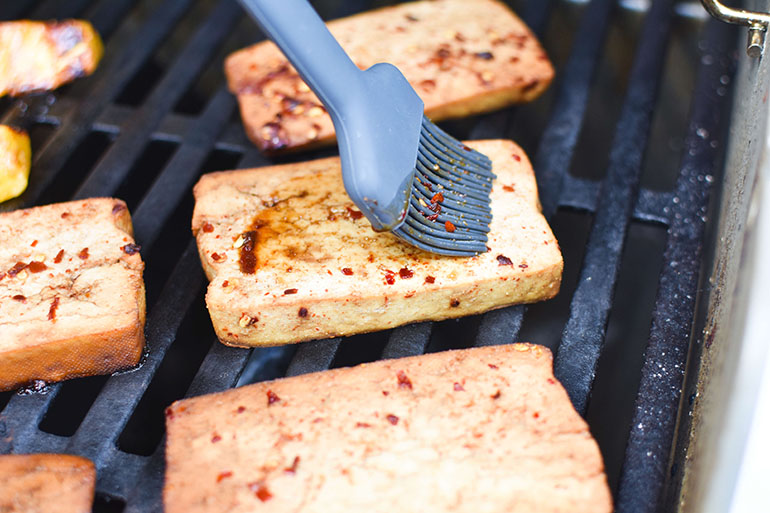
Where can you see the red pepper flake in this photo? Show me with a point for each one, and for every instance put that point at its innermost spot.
(272, 397)
(288, 292)
(347, 271)
(493, 366)
(224, 475)
(496, 395)
(216, 257)
(454, 303)
(16, 269)
(508, 188)
(58, 257)
(169, 413)
(354, 214)
(65, 215)
(432, 217)
(260, 490)
(458, 387)
(523, 266)
(302, 312)
(225, 284)
(83, 255)
(390, 277)
(19, 297)
(385, 393)
(403, 380)
(363, 425)
(449, 226)
(131, 249)
(504, 260)
(411, 17)
(240, 409)
(459, 38)
(2, 275)
(428, 85)
(437, 198)
(430, 279)
(405, 273)
(52, 309)
(536, 415)
(551, 381)
(36, 267)
(216, 438)
(516, 157)
(34, 243)
(293, 468)
(392, 419)
(435, 207)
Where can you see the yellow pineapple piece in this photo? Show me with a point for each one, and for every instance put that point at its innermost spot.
(15, 161)
(42, 55)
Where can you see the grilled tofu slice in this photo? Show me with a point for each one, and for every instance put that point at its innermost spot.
(15, 159)
(39, 56)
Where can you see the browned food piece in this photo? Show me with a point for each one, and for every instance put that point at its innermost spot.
(290, 257)
(462, 57)
(71, 292)
(46, 483)
(477, 430)
(39, 56)
(15, 161)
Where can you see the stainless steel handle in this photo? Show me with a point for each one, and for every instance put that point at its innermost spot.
(756, 21)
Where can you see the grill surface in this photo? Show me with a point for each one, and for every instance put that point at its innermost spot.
(625, 176)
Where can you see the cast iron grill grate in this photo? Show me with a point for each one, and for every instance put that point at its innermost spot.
(157, 114)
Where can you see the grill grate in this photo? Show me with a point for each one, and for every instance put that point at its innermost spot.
(155, 87)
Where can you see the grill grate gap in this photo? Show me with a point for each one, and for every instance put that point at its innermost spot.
(166, 251)
(669, 125)
(453, 334)
(606, 98)
(105, 504)
(71, 404)
(138, 88)
(267, 363)
(39, 133)
(544, 321)
(146, 168)
(611, 405)
(76, 168)
(146, 427)
(360, 349)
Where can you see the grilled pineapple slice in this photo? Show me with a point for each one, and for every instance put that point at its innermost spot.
(39, 56)
(15, 160)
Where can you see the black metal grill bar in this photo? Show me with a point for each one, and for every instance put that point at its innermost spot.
(115, 70)
(180, 173)
(500, 326)
(20, 419)
(646, 467)
(557, 144)
(313, 356)
(583, 336)
(116, 163)
(54, 9)
(408, 340)
(106, 15)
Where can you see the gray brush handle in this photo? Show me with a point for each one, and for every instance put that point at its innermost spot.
(302, 36)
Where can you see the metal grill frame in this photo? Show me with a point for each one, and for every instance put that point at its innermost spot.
(615, 202)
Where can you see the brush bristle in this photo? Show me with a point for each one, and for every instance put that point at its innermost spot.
(449, 209)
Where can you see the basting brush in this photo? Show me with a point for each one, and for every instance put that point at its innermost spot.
(403, 172)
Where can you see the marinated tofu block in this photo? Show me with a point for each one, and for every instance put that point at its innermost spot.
(478, 430)
(290, 257)
(71, 292)
(46, 483)
(462, 57)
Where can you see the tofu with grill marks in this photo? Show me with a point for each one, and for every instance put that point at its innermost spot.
(290, 258)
